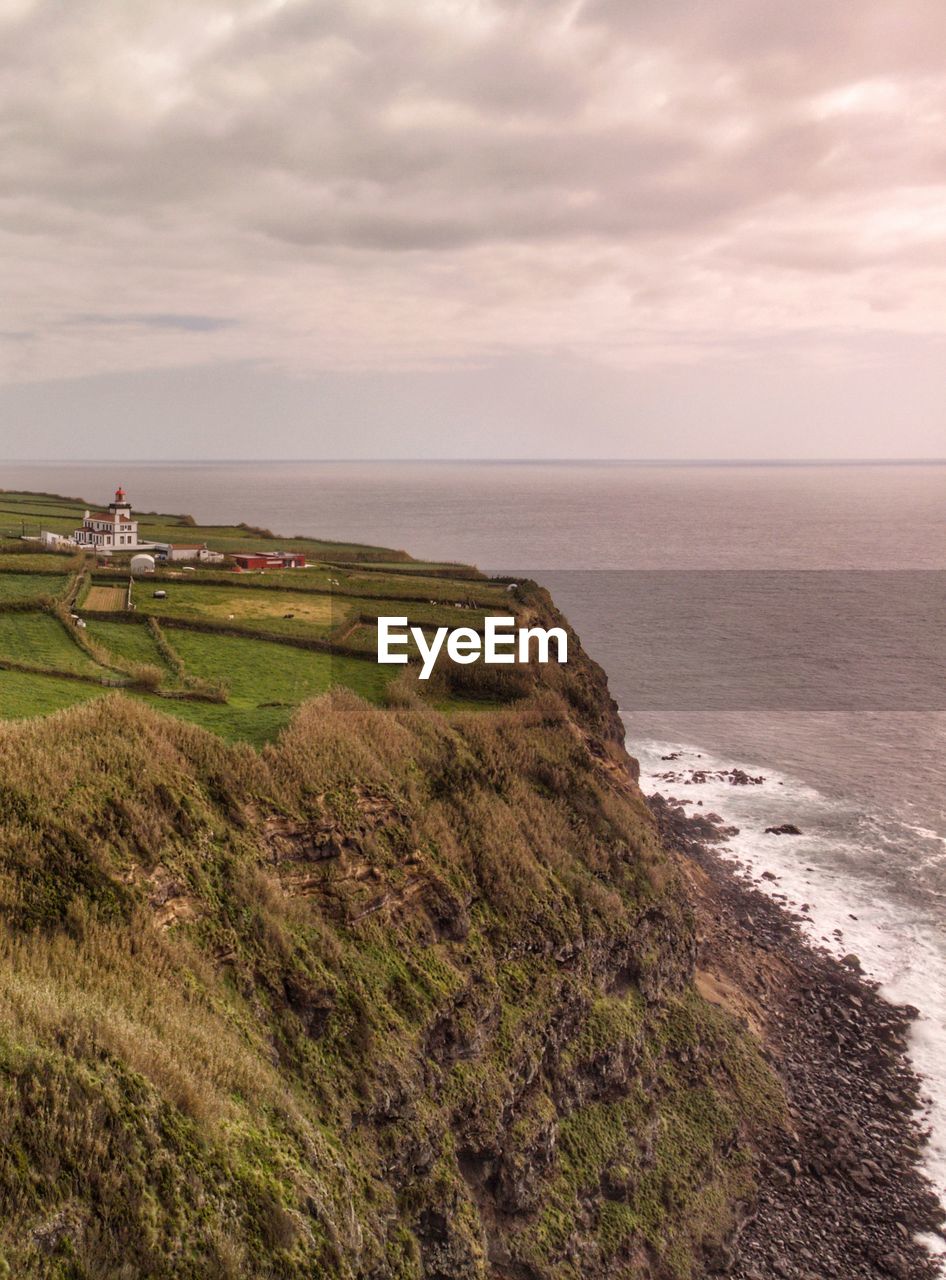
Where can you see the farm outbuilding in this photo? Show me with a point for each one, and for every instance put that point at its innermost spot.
(142, 564)
(270, 560)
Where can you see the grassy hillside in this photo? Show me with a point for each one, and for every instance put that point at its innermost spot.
(308, 971)
(399, 996)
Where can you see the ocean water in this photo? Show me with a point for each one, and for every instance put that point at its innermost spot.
(784, 619)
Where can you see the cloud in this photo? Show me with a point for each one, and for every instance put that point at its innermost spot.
(157, 320)
(314, 184)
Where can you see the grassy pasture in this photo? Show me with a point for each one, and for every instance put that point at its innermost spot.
(21, 500)
(260, 671)
(132, 641)
(341, 582)
(266, 681)
(24, 695)
(29, 586)
(441, 590)
(41, 639)
(37, 562)
(314, 614)
(11, 522)
(255, 725)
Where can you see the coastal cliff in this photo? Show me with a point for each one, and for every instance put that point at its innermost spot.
(400, 995)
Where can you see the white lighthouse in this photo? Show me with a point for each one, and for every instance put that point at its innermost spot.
(111, 530)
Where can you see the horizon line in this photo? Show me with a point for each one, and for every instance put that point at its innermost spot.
(493, 461)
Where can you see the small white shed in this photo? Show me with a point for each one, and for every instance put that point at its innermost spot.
(142, 564)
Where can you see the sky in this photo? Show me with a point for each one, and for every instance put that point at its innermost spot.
(472, 228)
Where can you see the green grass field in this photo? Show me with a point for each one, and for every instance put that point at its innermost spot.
(266, 681)
(313, 614)
(260, 671)
(30, 586)
(23, 696)
(40, 639)
(39, 561)
(131, 641)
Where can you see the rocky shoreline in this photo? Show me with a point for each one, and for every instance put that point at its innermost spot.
(842, 1193)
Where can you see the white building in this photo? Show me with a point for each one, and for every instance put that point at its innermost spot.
(111, 530)
(187, 551)
(55, 541)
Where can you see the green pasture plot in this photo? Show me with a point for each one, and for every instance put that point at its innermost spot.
(27, 506)
(416, 567)
(255, 725)
(11, 525)
(131, 641)
(17, 509)
(39, 638)
(30, 586)
(39, 561)
(25, 498)
(343, 582)
(260, 671)
(313, 614)
(23, 695)
(442, 590)
(32, 513)
(363, 635)
(266, 682)
(315, 577)
(418, 613)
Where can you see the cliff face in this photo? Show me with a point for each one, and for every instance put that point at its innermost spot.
(400, 996)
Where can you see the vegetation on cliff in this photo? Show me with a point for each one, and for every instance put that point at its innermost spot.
(399, 995)
(406, 992)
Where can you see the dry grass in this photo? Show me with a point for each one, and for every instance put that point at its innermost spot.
(101, 599)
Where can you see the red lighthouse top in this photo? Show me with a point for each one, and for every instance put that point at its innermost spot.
(119, 494)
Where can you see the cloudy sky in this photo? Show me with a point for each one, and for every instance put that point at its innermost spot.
(454, 228)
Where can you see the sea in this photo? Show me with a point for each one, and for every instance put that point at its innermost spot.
(785, 620)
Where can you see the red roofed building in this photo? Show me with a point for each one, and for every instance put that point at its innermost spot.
(270, 560)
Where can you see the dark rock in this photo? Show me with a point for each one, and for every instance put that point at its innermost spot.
(894, 1264)
(784, 829)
